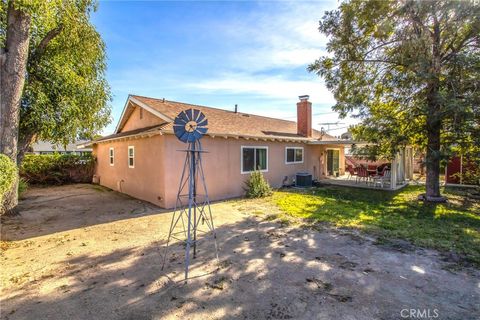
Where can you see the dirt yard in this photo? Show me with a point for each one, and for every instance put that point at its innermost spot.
(84, 252)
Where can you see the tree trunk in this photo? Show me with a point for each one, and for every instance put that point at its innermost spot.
(434, 120)
(433, 162)
(434, 127)
(25, 140)
(13, 62)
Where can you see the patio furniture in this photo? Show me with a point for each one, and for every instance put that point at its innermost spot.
(351, 172)
(362, 173)
(382, 178)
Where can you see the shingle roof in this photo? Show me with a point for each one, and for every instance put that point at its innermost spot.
(229, 123)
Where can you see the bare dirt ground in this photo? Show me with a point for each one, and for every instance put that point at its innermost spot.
(84, 252)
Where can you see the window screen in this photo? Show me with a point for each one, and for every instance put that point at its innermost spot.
(131, 157)
(254, 158)
(294, 155)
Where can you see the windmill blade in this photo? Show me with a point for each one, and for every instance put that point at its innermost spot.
(178, 130)
(184, 136)
(183, 116)
(196, 114)
(203, 123)
(202, 130)
(200, 117)
(179, 121)
(197, 135)
(191, 137)
(197, 125)
(189, 114)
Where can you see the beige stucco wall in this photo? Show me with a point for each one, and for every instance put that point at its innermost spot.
(146, 180)
(159, 164)
(317, 160)
(222, 165)
(147, 120)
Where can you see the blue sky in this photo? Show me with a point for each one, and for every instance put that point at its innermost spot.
(217, 53)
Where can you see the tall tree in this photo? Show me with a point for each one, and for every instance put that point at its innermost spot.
(60, 58)
(409, 70)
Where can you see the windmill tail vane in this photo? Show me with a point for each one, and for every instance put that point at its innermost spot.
(192, 208)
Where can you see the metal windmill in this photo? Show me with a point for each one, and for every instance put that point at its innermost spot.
(193, 205)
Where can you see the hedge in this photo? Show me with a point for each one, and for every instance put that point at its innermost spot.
(57, 169)
(8, 174)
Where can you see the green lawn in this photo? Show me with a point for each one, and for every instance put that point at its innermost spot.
(454, 226)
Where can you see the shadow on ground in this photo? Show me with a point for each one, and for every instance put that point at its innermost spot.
(48, 210)
(266, 271)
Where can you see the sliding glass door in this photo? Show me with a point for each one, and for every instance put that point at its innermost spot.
(333, 162)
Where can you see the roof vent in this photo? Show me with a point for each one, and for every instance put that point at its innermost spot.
(246, 115)
(236, 108)
(304, 97)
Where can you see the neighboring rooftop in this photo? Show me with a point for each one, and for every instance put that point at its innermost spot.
(48, 147)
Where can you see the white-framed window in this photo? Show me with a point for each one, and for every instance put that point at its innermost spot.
(131, 156)
(253, 158)
(293, 155)
(111, 154)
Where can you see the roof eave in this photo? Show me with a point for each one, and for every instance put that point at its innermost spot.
(136, 135)
(250, 137)
(342, 142)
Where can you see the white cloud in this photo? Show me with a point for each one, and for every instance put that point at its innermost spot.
(261, 55)
(283, 35)
(277, 87)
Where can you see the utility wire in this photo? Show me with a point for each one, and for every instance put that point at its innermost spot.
(314, 114)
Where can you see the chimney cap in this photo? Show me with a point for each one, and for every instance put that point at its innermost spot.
(304, 97)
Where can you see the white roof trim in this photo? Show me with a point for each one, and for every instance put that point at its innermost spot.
(248, 137)
(123, 114)
(127, 137)
(343, 142)
(144, 106)
(148, 108)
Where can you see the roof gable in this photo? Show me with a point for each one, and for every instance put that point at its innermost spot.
(225, 122)
(128, 109)
(220, 122)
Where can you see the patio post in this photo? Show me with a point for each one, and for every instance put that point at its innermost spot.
(393, 173)
(401, 166)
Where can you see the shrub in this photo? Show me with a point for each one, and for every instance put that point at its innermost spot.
(57, 169)
(8, 174)
(257, 186)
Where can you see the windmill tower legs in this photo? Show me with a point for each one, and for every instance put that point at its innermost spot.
(191, 208)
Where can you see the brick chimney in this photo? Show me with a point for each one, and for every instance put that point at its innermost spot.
(304, 117)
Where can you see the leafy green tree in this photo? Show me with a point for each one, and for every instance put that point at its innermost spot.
(409, 70)
(53, 83)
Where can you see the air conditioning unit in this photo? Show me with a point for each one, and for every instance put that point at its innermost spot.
(303, 180)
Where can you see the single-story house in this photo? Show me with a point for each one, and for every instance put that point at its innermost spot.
(142, 159)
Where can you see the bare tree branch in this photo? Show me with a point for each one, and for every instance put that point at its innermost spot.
(461, 44)
(42, 46)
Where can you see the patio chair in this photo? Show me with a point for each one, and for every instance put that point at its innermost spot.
(351, 172)
(382, 178)
(362, 173)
